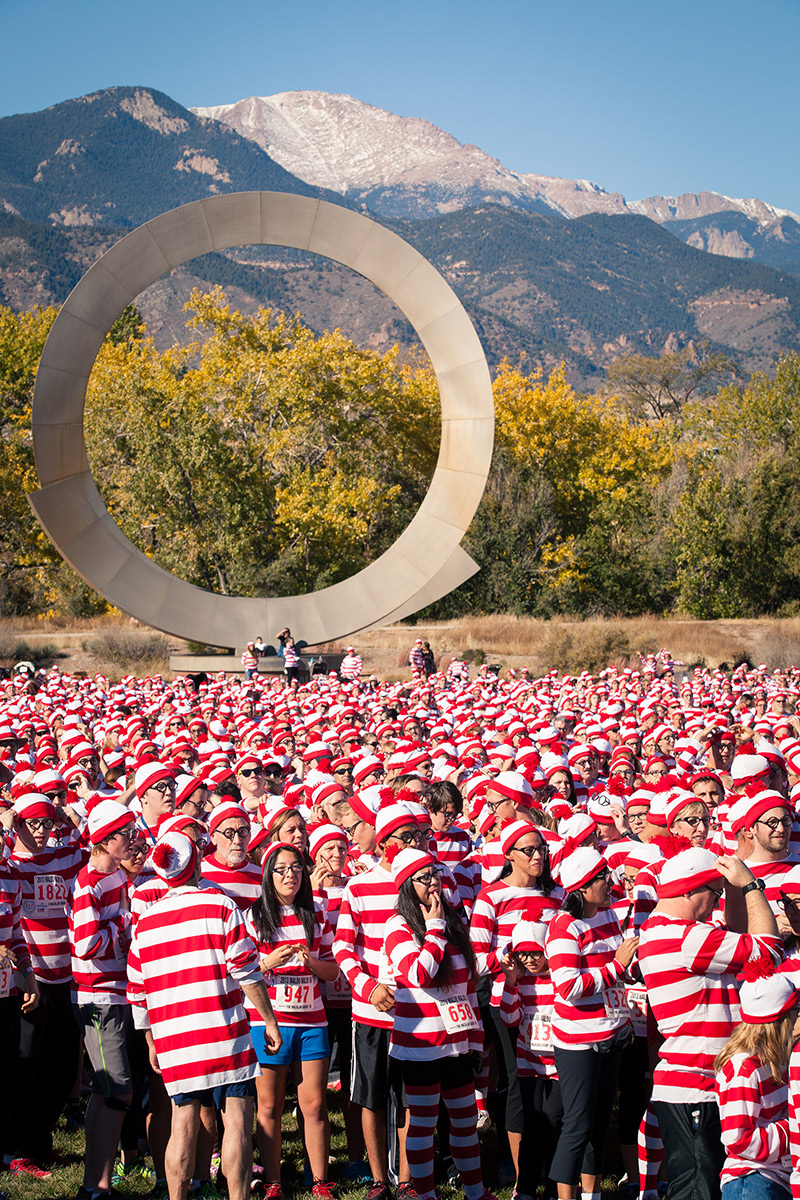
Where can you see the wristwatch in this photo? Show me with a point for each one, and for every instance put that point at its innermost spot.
(755, 885)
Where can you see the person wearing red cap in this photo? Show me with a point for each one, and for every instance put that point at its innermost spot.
(763, 825)
(589, 961)
(525, 891)
(436, 1033)
(689, 967)
(227, 866)
(99, 932)
(294, 941)
(14, 957)
(50, 1039)
(155, 789)
(190, 955)
(752, 1090)
(527, 1005)
(367, 906)
(250, 780)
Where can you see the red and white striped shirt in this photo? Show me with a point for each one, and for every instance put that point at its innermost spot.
(294, 989)
(367, 906)
(11, 932)
(498, 909)
(528, 1005)
(189, 955)
(451, 846)
(99, 934)
(794, 1120)
(753, 1112)
(690, 970)
(773, 875)
(590, 999)
(336, 993)
(46, 880)
(421, 1007)
(242, 884)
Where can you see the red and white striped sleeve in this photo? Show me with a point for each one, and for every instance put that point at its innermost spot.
(416, 966)
(753, 1111)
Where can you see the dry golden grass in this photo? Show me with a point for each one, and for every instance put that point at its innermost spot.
(511, 641)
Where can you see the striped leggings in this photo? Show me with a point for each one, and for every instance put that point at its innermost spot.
(423, 1109)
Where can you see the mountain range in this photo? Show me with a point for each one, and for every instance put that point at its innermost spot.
(406, 167)
(555, 268)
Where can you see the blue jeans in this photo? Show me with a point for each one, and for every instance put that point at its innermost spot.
(754, 1186)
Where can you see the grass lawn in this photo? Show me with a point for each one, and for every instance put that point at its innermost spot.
(66, 1180)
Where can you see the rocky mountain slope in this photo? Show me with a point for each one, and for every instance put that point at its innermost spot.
(75, 177)
(408, 167)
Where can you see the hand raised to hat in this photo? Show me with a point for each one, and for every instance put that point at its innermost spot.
(734, 871)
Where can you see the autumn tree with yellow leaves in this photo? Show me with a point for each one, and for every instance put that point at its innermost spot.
(262, 458)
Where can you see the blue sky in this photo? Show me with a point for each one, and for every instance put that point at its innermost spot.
(640, 97)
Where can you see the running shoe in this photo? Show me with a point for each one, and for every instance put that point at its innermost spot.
(322, 1190)
(135, 1171)
(272, 1191)
(406, 1191)
(26, 1166)
(73, 1116)
(379, 1191)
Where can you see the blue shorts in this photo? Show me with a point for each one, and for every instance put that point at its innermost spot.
(301, 1043)
(215, 1097)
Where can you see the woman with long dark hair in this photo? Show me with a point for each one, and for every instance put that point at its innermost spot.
(295, 943)
(436, 1035)
(589, 963)
(525, 891)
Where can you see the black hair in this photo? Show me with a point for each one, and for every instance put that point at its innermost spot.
(545, 883)
(229, 789)
(573, 904)
(409, 907)
(267, 909)
(440, 794)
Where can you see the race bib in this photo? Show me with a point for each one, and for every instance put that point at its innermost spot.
(537, 1031)
(293, 993)
(637, 1007)
(616, 1002)
(339, 988)
(49, 896)
(457, 1013)
(6, 973)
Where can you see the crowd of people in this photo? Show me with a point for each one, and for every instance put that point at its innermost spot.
(561, 909)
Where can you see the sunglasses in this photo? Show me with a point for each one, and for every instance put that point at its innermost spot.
(246, 772)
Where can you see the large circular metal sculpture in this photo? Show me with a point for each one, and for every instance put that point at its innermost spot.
(423, 564)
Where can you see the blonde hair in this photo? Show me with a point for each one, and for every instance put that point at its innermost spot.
(770, 1043)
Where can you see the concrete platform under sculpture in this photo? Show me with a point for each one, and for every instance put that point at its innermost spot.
(423, 564)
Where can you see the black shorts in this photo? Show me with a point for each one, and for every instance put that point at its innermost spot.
(375, 1074)
(451, 1071)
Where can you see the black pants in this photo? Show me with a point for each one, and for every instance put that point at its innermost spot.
(9, 1071)
(693, 1151)
(542, 1108)
(48, 1059)
(588, 1086)
(508, 1106)
(635, 1086)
